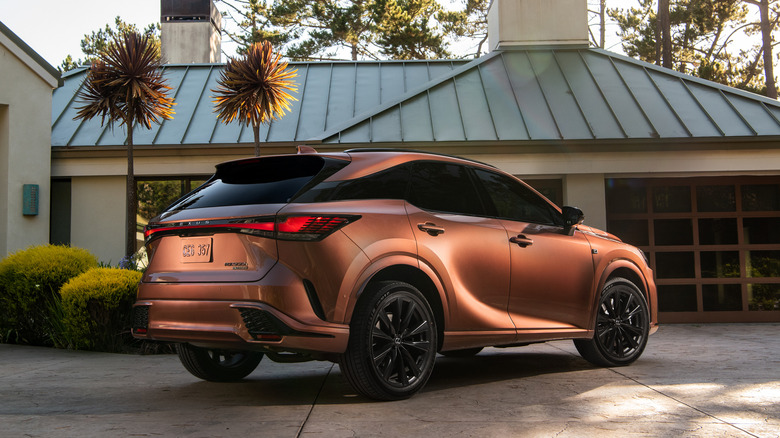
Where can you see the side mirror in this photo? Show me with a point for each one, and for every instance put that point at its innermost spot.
(572, 216)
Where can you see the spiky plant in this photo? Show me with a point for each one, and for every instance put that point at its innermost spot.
(253, 89)
(125, 85)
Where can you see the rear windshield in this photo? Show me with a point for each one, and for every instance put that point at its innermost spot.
(272, 180)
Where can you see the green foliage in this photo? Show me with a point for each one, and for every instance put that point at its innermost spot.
(97, 308)
(406, 30)
(255, 22)
(99, 40)
(703, 38)
(30, 281)
(365, 29)
(469, 22)
(155, 196)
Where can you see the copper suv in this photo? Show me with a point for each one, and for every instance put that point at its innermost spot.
(379, 260)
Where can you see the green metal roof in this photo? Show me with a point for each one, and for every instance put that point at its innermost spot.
(329, 93)
(507, 96)
(563, 94)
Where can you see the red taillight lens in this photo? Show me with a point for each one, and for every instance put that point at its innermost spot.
(310, 227)
(305, 227)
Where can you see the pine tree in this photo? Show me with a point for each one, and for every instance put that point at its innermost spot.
(702, 35)
(98, 41)
(358, 29)
(470, 23)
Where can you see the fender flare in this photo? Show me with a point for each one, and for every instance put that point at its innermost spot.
(380, 265)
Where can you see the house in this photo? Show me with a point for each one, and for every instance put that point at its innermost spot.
(26, 83)
(688, 170)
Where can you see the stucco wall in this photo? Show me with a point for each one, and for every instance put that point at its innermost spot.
(98, 182)
(25, 151)
(98, 216)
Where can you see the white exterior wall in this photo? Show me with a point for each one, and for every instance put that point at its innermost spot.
(98, 188)
(98, 216)
(587, 190)
(25, 146)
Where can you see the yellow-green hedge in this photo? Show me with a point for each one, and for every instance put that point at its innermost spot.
(97, 308)
(30, 281)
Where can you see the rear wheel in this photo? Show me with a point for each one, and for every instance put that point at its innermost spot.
(392, 342)
(218, 365)
(622, 326)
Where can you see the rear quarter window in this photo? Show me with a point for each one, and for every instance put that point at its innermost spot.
(390, 183)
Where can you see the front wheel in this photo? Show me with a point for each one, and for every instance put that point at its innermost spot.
(218, 365)
(622, 326)
(392, 343)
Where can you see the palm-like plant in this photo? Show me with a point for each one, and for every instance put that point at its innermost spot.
(125, 85)
(253, 89)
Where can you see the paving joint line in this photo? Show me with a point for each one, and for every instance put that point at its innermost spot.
(666, 395)
(682, 402)
(314, 403)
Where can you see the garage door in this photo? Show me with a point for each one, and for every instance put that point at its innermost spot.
(714, 243)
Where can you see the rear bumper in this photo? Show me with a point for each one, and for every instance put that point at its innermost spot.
(229, 325)
(274, 313)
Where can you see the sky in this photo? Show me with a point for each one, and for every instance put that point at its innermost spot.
(54, 28)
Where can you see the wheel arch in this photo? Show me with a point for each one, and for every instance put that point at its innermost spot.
(415, 277)
(629, 270)
(630, 275)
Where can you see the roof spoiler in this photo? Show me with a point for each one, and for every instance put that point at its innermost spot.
(302, 149)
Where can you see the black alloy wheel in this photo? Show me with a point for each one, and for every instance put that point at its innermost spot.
(393, 342)
(622, 326)
(218, 365)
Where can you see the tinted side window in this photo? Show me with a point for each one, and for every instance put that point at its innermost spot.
(388, 184)
(444, 187)
(514, 201)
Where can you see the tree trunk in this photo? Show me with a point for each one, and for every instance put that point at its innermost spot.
(256, 132)
(354, 51)
(766, 36)
(665, 33)
(132, 204)
(602, 23)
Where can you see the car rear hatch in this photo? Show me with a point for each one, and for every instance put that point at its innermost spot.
(226, 230)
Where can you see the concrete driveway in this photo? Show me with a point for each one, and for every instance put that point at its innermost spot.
(693, 380)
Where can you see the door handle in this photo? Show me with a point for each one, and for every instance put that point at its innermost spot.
(521, 240)
(431, 228)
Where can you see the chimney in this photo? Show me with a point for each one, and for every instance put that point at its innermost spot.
(539, 23)
(190, 31)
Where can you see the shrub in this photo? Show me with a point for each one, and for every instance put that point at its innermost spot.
(30, 281)
(97, 308)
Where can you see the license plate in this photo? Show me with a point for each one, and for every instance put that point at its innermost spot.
(196, 250)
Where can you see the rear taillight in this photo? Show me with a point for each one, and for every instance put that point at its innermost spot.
(303, 227)
(310, 227)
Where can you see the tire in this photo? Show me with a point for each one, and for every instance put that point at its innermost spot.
(622, 326)
(467, 352)
(218, 365)
(392, 342)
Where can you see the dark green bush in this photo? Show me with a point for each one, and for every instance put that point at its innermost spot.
(97, 309)
(30, 281)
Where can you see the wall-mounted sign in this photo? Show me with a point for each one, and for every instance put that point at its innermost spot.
(30, 199)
